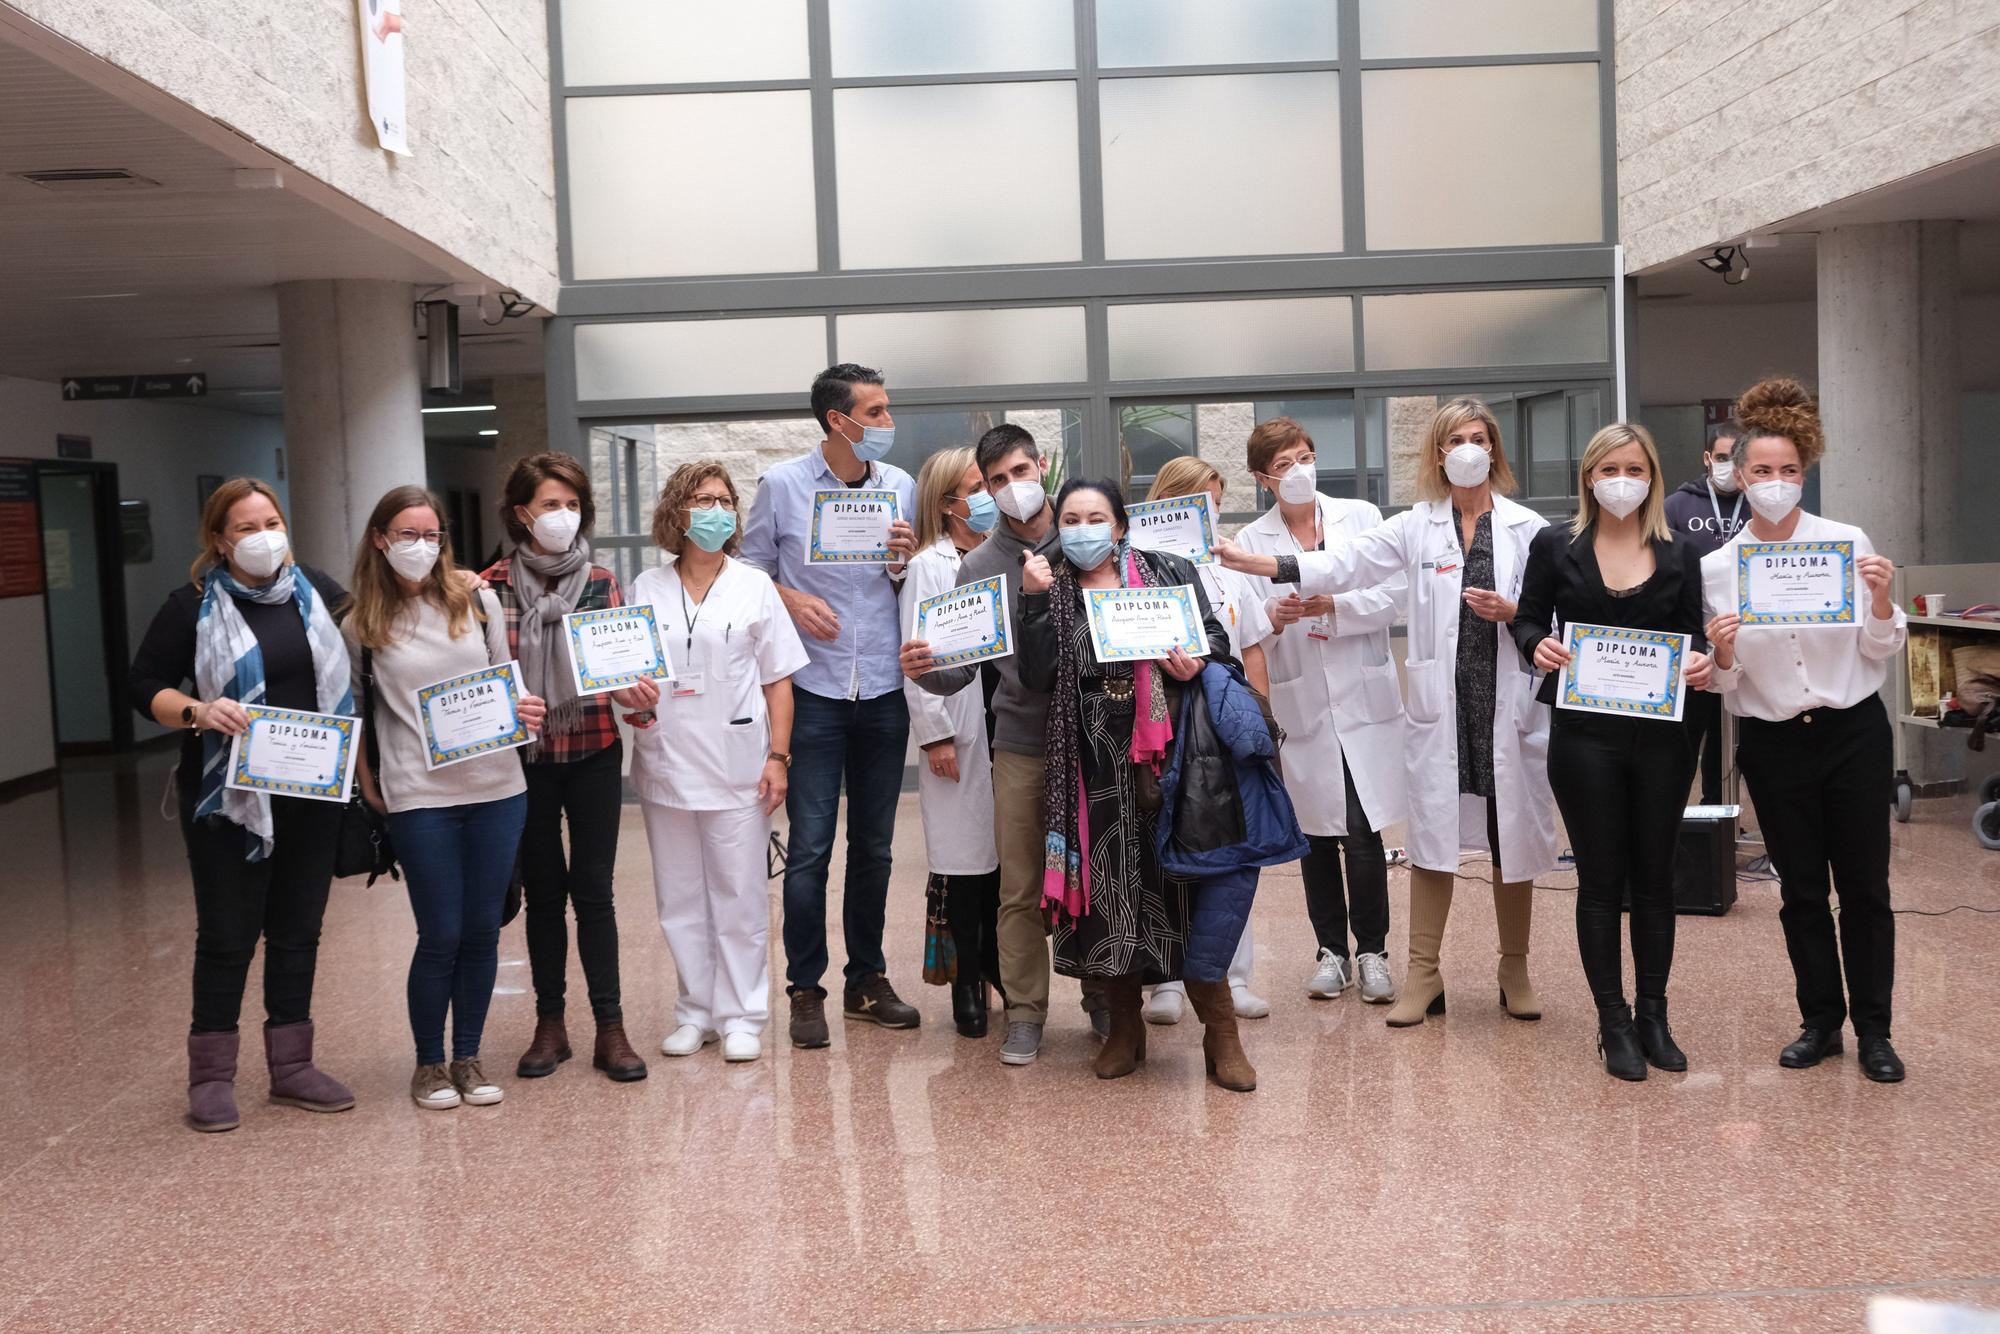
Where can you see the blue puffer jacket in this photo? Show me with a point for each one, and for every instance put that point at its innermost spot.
(1223, 806)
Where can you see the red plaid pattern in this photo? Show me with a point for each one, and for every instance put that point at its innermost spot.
(600, 719)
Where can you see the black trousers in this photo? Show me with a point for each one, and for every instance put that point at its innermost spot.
(972, 906)
(1703, 720)
(1366, 895)
(1622, 785)
(281, 898)
(590, 792)
(1821, 785)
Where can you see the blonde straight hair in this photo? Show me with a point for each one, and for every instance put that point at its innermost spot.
(376, 599)
(1432, 484)
(1653, 511)
(938, 478)
(1183, 475)
(215, 518)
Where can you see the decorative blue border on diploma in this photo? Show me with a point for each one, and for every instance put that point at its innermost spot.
(590, 684)
(817, 555)
(1675, 644)
(439, 755)
(1199, 503)
(1195, 642)
(998, 644)
(334, 789)
(1841, 615)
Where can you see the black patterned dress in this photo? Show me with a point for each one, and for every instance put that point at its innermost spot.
(1478, 663)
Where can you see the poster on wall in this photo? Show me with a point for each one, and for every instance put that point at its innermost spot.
(382, 71)
(20, 531)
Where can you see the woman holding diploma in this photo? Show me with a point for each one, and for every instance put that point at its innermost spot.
(1478, 740)
(1240, 607)
(249, 627)
(717, 763)
(574, 768)
(457, 826)
(955, 784)
(1815, 743)
(1621, 782)
(1118, 917)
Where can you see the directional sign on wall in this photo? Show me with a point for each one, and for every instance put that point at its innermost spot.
(179, 384)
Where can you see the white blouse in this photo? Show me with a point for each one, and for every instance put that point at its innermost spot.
(1783, 670)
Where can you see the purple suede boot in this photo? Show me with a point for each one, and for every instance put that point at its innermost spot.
(295, 1080)
(212, 1081)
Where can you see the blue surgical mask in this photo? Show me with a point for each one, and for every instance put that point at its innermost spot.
(1087, 545)
(711, 529)
(980, 512)
(875, 442)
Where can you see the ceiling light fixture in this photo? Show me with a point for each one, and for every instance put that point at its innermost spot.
(489, 432)
(483, 407)
(1729, 263)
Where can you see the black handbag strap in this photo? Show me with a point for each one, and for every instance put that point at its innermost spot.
(368, 738)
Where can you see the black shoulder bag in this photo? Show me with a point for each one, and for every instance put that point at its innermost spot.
(364, 847)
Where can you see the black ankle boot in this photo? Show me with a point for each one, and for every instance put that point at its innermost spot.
(1656, 1040)
(968, 1002)
(1618, 1043)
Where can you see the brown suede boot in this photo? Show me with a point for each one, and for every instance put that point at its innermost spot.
(549, 1049)
(1126, 1047)
(1423, 985)
(1228, 1067)
(615, 1056)
(1513, 914)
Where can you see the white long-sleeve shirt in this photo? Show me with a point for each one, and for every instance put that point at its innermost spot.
(1781, 671)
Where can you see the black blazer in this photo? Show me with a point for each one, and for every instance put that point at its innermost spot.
(1562, 585)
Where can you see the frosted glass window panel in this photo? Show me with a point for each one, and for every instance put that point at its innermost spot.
(943, 348)
(691, 183)
(1278, 131)
(682, 41)
(881, 37)
(1548, 472)
(957, 174)
(1493, 156)
(1393, 29)
(1543, 327)
(1203, 339)
(1133, 33)
(699, 358)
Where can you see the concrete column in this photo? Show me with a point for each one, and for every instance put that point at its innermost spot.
(522, 418)
(1888, 383)
(353, 408)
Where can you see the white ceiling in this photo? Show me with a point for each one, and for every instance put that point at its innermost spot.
(200, 252)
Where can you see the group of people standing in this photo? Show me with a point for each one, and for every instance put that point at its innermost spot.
(1041, 774)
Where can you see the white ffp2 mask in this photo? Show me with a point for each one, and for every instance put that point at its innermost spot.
(261, 554)
(1022, 501)
(1467, 465)
(1620, 495)
(1773, 500)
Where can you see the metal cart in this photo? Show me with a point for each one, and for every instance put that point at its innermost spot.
(1928, 655)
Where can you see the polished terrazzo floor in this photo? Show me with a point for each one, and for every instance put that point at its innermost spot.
(1474, 1174)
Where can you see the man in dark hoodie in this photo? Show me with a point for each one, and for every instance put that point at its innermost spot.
(1707, 513)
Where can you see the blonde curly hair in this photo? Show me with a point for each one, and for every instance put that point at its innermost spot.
(1781, 407)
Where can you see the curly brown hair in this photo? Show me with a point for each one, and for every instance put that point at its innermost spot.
(670, 515)
(1782, 407)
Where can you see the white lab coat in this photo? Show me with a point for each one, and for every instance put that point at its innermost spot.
(1419, 543)
(1336, 694)
(1237, 600)
(958, 817)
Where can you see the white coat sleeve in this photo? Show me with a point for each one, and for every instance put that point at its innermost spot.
(1373, 557)
(1366, 610)
(929, 722)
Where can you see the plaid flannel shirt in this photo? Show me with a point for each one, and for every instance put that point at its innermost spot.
(599, 727)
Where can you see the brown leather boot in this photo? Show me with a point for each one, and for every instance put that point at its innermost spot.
(615, 1056)
(1126, 1047)
(549, 1049)
(1228, 1067)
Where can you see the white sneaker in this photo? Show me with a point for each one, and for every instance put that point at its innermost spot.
(741, 1046)
(1165, 1005)
(686, 1040)
(1333, 976)
(1377, 987)
(1249, 1005)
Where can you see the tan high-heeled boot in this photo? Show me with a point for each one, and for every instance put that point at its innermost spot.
(1221, 1044)
(1125, 1048)
(1423, 987)
(1513, 914)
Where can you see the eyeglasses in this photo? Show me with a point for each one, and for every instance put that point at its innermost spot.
(723, 503)
(432, 536)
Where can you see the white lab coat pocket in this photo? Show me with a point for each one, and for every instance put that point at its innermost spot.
(1290, 701)
(743, 754)
(1427, 692)
(1381, 696)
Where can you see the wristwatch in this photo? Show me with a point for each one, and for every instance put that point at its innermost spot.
(781, 757)
(187, 719)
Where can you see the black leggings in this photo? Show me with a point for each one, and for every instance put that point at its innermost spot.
(1366, 896)
(972, 906)
(590, 792)
(1622, 786)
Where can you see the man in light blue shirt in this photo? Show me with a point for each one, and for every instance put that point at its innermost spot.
(849, 717)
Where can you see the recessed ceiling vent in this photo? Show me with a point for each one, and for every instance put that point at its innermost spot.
(89, 179)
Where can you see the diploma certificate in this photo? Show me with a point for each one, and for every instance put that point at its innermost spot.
(1132, 623)
(612, 647)
(967, 624)
(851, 527)
(1795, 583)
(470, 715)
(1632, 673)
(292, 754)
(1183, 526)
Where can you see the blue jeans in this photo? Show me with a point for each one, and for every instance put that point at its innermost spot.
(864, 742)
(457, 861)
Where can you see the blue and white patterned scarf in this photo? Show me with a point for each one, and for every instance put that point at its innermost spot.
(228, 664)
